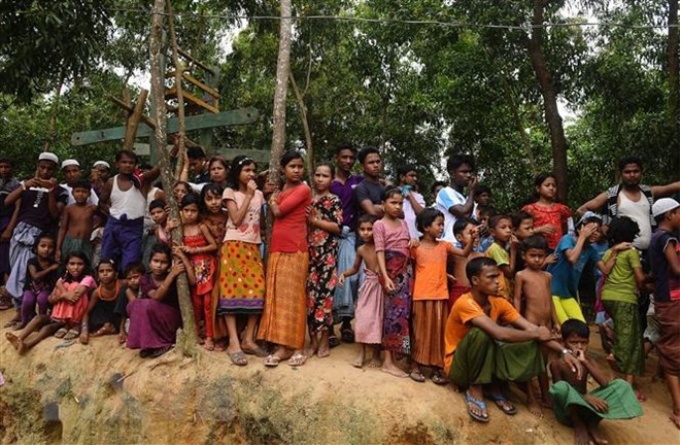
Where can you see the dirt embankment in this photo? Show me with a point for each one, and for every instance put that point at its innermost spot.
(104, 394)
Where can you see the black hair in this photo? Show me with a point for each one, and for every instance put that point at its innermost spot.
(67, 277)
(494, 220)
(42, 235)
(195, 152)
(388, 192)
(330, 166)
(574, 327)
(5, 161)
(456, 161)
(288, 157)
(137, 266)
(157, 203)
(534, 242)
(366, 218)
(211, 187)
(538, 181)
(161, 248)
(474, 266)
(221, 160)
(404, 169)
(189, 199)
(345, 146)
(126, 153)
(623, 230)
(237, 165)
(483, 188)
(436, 184)
(363, 154)
(184, 183)
(630, 160)
(460, 225)
(489, 211)
(427, 217)
(590, 219)
(82, 184)
(108, 261)
(520, 216)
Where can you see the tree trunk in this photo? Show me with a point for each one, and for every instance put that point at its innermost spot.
(552, 114)
(305, 125)
(181, 134)
(673, 68)
(187, 338)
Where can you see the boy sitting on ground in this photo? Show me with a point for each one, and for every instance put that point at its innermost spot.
(575, 407)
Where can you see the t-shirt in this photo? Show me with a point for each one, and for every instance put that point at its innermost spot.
(34, 209)
(502, 258)
(410, 214)
(566, 276)
(367, 190)
(431, 282)
(463, 311)
(391, 238)
(447, 198)
(345, 192)
(6, 187)
(667, 283)
(556, 215)
(47, 282)
(290, 229)
(620, 284)
(249, 229)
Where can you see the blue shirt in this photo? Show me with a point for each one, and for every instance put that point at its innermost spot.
(565, 275)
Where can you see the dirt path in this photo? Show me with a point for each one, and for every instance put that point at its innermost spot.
(106, 394)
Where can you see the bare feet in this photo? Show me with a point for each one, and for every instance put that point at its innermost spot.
(359, 361)
(311, 350)
(592, 433)
(375, 361)
(209, 345)
(535, 408)
(84, 337)
(675, 418)
(16, 342)
(122, 338)
(323, 351)
(581, 436)
(390, 368)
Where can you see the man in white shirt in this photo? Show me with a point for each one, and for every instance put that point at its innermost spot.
(414, 203)
(450, 200)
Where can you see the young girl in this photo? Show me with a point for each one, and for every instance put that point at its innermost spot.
(40, 278)
(392, 244)
(324, 226)
(101, 316)
(283, 319)
(69, 298)
(430, 295)
(180, 190)
(241, 272)
(129, 292)
(199, 245)
(368, 316)
(620, 300)
(551, 218)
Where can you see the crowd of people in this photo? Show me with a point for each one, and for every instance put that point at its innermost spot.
(455, 291)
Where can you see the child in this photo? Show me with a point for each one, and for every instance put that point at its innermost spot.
(180, 190)
(162, 225)
(392, 245)
(430, 295)
(239, 257)
(500, 228)
(128, 293)
(572, 404)
(101, 316)
(7, 184)
(77, 223)
(573, 253)
(40, 279)
(551, 218)
(482, 200)
(523, 227)
(532, 287)
(466, 235)
(485, 239)
(368, 326)
(620, 300)
(200, 246)
(664, 252)
(69, 299)
(324, 224)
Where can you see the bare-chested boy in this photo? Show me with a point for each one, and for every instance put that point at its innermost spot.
(465, 233)
(534, 301)
(77, 223)
(576, 407)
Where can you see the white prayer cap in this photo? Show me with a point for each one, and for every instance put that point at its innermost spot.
(48, 156)
(70, 162)
(102, 164)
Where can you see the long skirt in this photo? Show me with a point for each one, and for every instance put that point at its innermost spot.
(429, 325)
(321, 282)
(628, 348)
(396, 331)
(368, 324)
(153, 324)
(344, 297)
(20, 251)
(241, 279)
(618, 394)
(668, 314)
(284, 317)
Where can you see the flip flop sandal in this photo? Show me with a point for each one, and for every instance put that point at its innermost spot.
(503, 404)
(61, 333)
(144, 353)
(110, 330)
(238, 358)
(417, 376)
(480, 404)
(160, 351)
(71, 334)
(297, 360)
(333, 341)
(272, 361)
(439, 379)
(347, 335)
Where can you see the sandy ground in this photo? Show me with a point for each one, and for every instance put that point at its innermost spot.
(334, 402)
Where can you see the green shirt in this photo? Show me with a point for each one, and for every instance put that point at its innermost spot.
(620, 284)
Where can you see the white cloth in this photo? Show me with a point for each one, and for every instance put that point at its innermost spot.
(638, 211)
(130, 202)
(410, 214)
(447, 198)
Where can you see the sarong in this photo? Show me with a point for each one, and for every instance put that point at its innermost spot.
(368, 324)
(71, 245)
(153, 324)
(628, 348)
(668, 314)
(618, 394)
(284, 318)
(122, 240)
(479, 359)
(4, 246)
(103, 312)
(20, 251)
(429, 325)
(241, 279)
(345, 296)
(396, 330)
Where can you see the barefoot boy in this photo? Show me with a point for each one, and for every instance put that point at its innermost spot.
(575, 407)
(77, 223)
(465, 232)
(500, 228)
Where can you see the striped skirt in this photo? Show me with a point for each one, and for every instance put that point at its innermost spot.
(428, 318)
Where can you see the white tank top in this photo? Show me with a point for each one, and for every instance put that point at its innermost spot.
(131, 202)
(638, 211)
(149, 198)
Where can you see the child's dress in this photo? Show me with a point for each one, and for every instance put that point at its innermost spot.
(556, 215)
(72, 313)
(368, 317)
(36, 292)
(201, 292)
(104, 310)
